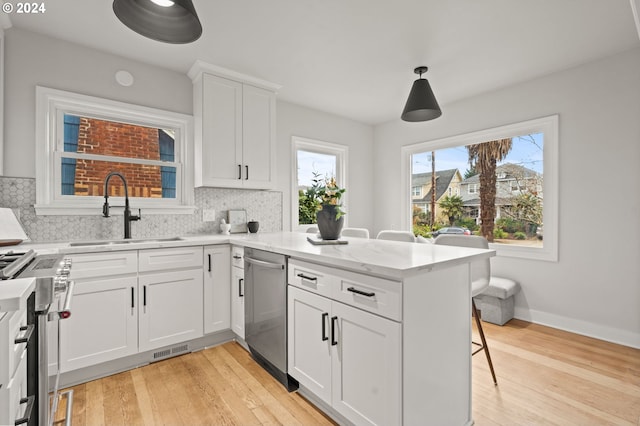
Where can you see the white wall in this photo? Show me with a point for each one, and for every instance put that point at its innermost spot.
(594, 288)
(295, 120)
(32, 59)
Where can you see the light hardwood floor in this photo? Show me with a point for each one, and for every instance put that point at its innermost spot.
(545, 377)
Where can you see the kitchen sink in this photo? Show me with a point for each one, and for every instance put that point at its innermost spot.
(110, 242)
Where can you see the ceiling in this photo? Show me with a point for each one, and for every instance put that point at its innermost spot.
(355, 58)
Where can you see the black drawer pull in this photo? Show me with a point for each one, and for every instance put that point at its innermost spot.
(325, 316)
(304, 277)
(27, 335)
(333, 331)
(235, 256)
(240, 293)
(27, 412)
(363, 293)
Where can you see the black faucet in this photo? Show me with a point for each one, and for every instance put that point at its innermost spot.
(128, 217)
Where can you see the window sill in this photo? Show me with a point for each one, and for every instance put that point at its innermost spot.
(71, 210)
(524, 252)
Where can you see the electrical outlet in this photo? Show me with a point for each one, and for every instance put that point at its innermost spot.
(208, 215)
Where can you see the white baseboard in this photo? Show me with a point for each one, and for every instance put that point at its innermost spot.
(597, 331)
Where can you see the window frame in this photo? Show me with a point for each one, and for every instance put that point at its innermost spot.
(320, 147)
(52, 104)
(546, 125)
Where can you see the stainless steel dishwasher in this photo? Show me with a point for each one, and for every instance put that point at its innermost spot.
(265, 298)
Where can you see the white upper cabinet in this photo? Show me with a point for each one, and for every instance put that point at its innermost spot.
(234, 129)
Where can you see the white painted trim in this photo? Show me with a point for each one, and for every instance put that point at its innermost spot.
(548, 126)
(321, 147)
(200, 66)
(96, 209)
(635, 10)
(52, 103)
(585, 328)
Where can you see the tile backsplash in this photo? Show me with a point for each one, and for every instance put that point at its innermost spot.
(19, 194)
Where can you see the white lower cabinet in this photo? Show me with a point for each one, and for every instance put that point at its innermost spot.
(237, 291)
(118, 311)
(217, 293)
(349, 358)
(170, 308)
(104, 320)
(103, 324)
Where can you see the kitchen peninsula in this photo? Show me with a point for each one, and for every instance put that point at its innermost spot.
(402, 311)
(379, 331)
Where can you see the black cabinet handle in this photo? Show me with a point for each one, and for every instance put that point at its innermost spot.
(239, 171)
(27, 412)
(246, 176)
(209, 262)
(28, 329)
(304, 277)
(363, 293)
(333, 331)
(325, 316)
(132, 299)
(235, 256)
(144, 295)
(240, 293)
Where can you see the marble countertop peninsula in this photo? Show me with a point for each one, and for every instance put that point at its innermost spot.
(391, 259)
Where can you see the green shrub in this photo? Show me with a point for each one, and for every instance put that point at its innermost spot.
(422, 229)
(468, 223)
(499, 233)
(520, 236)
(510, 225)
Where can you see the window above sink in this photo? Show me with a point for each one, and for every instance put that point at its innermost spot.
(82, 138)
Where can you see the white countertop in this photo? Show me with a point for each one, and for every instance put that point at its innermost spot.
(392, 259)
(14, 293)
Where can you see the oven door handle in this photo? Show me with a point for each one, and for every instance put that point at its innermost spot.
(66, 308)
(65, 312)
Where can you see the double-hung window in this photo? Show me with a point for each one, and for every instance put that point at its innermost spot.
(314, 160)
(82, 139)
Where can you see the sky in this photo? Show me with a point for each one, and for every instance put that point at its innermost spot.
(308, 162)
(526, 151)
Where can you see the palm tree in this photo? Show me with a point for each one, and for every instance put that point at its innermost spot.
(451, 206)
(484, 157)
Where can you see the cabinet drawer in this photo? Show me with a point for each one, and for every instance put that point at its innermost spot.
(170, 258)
(237, 256)
(103, 264)
(10, 407)
(11, 328)
(309, 276)
(18, 329)
(377, 295)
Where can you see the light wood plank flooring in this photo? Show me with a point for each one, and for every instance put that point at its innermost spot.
(545, 377)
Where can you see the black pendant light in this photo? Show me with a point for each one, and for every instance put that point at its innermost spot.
(422, 104)
(169, 21)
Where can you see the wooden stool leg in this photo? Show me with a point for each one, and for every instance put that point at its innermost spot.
(484, 341)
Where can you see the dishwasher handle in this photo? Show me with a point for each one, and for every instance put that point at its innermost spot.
(263, 263)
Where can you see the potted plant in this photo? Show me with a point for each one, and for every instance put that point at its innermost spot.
(329, 214)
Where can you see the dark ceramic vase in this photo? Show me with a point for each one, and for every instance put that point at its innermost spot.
(328, 225)
(253, 226)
